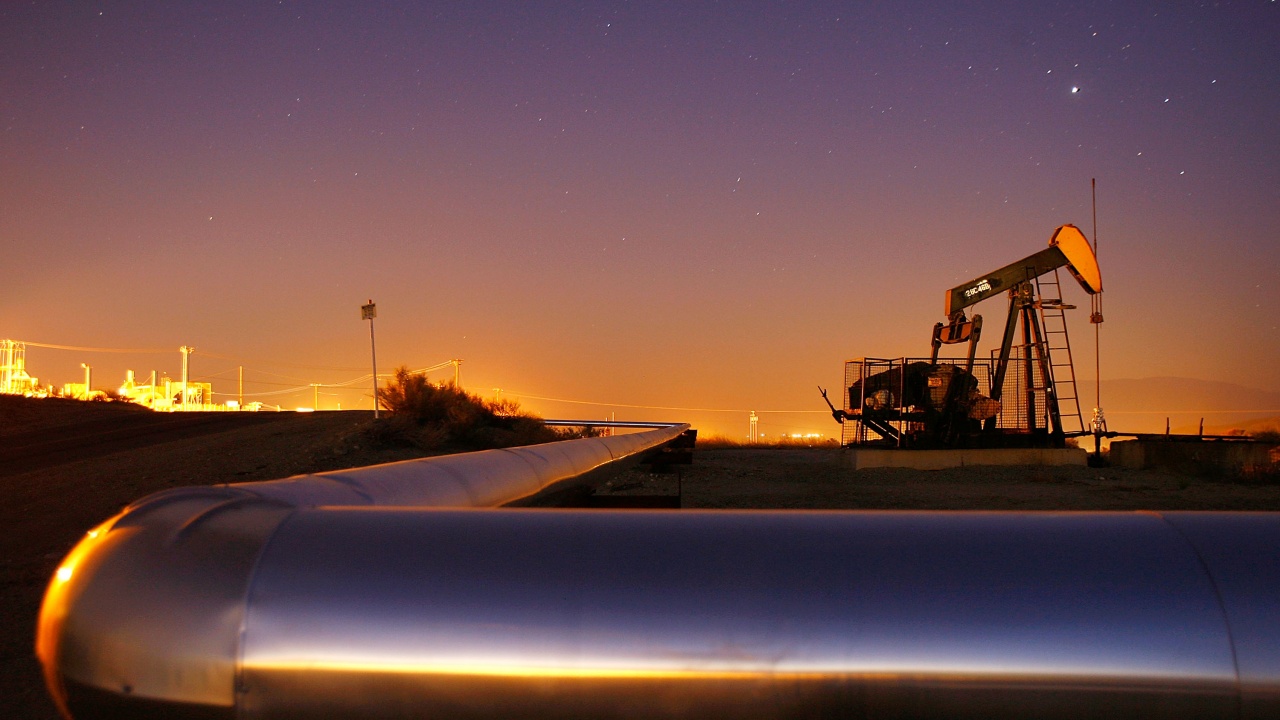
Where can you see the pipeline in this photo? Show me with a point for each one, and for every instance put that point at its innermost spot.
(234, 603)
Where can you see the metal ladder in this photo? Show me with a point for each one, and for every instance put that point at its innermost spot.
(1053, 323)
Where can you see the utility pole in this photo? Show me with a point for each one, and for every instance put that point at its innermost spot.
(456, 374)
(240, 389)
(315, 396)
(88, 374)
(186, 352)
(754, 420)
(1098, 425)
(369, 312)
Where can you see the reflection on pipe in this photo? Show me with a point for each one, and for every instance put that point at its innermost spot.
(200, 605)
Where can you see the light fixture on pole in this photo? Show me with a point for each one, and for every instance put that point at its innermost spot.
(369, 312)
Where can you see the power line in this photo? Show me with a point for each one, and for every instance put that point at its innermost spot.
(656, 407)
(202, 353)
(421, 371)
(278, 363)
(136, 351)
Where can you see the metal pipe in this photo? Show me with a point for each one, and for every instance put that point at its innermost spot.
(226, 602)
(610, 423)
(149, 603)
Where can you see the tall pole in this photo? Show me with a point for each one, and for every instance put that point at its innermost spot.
(88, 374)
(240, 389)
(456, 374)
(315, 396)
(369, 312)
(1099, 423)
(1096, 316)
(186, 352)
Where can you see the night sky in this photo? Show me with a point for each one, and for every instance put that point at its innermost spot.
(680, 205)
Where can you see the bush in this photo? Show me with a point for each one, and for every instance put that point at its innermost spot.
(1266, 436)
(442, 417)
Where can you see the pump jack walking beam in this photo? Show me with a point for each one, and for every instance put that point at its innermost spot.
(1067, 248)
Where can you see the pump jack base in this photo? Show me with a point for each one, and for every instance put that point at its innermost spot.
(943, 459)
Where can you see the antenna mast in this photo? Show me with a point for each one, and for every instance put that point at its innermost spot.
(1099, 423)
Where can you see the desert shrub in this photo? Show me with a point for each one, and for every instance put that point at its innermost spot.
(442, 417)
(1266, 436)
(575, 432)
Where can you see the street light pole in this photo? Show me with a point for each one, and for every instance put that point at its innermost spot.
(369, 312)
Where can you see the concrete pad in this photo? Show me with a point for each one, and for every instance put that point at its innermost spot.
(943, 459)
(1190, 454)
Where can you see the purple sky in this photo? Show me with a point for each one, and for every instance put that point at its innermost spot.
(665, 204)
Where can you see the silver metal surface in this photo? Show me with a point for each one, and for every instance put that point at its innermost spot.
(609, 423)
(149, 605)
(693, 614)
(480, 479)
(226, 602)
(1244, 560)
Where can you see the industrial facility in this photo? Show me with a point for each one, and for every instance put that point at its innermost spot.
(1023, 395)
(161, 394)
(14, 379)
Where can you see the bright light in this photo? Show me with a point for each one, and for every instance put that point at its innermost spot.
(304, 409)
(1074, 89)
(64, 573)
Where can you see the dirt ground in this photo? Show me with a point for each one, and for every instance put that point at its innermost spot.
(66, 466)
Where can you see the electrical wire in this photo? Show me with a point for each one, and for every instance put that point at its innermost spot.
(147, 351)
(369, 376)
(276, 363)
(656, 407)
(165, 351)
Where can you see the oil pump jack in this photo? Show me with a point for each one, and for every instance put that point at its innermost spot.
(1024, 395)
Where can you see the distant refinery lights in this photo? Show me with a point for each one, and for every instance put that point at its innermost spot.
(14, 379)
(163, 395)
(166, 395)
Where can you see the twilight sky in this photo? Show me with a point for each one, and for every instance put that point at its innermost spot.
(670, 204)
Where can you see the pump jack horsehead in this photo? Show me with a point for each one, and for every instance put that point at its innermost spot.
(918, 403)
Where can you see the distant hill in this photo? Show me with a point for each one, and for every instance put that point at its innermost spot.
(1144, 404)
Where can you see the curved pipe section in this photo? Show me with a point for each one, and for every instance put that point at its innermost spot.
(148, 607)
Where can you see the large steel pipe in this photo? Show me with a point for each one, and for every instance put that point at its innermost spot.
(489, 478)
(148, 606)
(257, 609)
